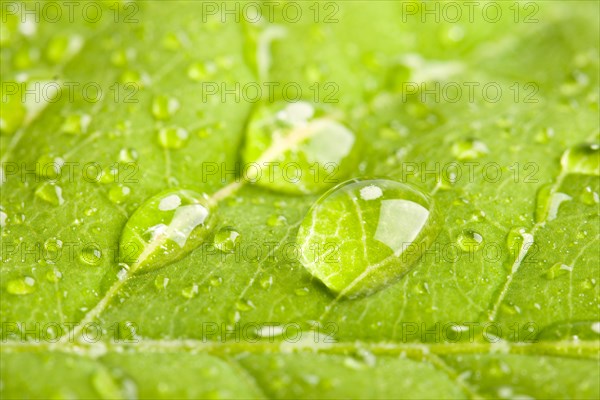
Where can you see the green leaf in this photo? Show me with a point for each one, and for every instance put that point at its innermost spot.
(497, 320)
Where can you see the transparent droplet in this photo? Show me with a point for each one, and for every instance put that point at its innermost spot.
(53, 275)
(21, 286)
(53, 249)
(469, 149)
(308, 150)
(163, 107)
(244, 305)
(216, 281)
(165, 228)
(12, 112)
(557, 270)
(50, 193)
(200, 71)
(226, 239)
(582, 159)
(118, 194)
(190, 291)
(128, 155)
(365, 234)
(49, 167)
(548, 202)
(76, 124)
(276, 220)
(469, 241)
(161, 282)
(90, 255)
(172, 138)
(589, 196)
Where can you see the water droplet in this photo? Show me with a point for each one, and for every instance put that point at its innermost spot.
(12, 112)
(557, 270)
(582, 159)
(266, 282)
(53, 275)
(53, 247)
(548, 202)
(276, 220)
(128, 155)
(57, 49)
(118, 193)
(226, 239)
(308, 152)
(172, 138)
(165, 228)
(365, 234)
(21, 286)
(49, 166)
(469, 149)
(163, 107)
(91, 255)
(589, 197)
(190, 291)
(244, 305)
(76, 124)
(469, 241)
(50, 193)
(200, 71)
(303, 291)
(161, 282)
(216, 281)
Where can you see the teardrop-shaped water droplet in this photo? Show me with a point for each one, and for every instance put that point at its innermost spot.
(163, 107)
(128, 155)
(469, 241)
(365, 234)
(548, 202)
(49, 166)
(53, 275)
(557, 270)
(582, 159)
(50, 193)
(90, 255)
(161, 282)
(469, 149)
(190, 292)
(165, 228)
(226, 239)
(291, 148)
(21, 286)
(589, 196)
(172, 137)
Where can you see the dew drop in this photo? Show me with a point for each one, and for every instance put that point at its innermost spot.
(50, 193)
(172, 138)
(190, 292)
(12, 113)
(469, 241)
(200, 71)
(90, 255)
(53, 248)
(163, 107)
(557, 270)
(21, 286)
(76, 124)
(216, 281)
(582, 159)
(276, 220)
(53, 275)
(161, 282)
(118, 194)
(226, 239)
(50, 167)
(308, 152)
(128, 155)
(589, 197)
(165, 228)
(469, 149)
(365, 234)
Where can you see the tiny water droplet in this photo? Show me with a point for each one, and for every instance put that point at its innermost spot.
(118, 194)
(469, 149)
(50, 193)
(49, 166)
(589, 197)
(165, 228)
(276, 220)
(128, 155)
(303, 291)
(53, 275)
(200, 71)
(226, 239)
(91, 255)
(76, 124)
(21, 286)
(469, 241)
(244, 305)
(163, 107)
(172, 137)
(53, 248)
(365, 234)
(190, 291)
(308, 151)
(161, 282)
(557, 270)
(582, 159)
(216, 281)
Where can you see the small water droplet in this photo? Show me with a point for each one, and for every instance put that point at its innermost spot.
(469, 149)
(21, 286)
(50, 192)
(226, 239)
(53, 275)
(469, 241)
(589, 197)
(582, 159)
(200, 71)
(365, 234)
(161, 282)
(303, 291)
(128, 155)
(118, 194)
(309, 151)
(244, 305)
(190, 292)
(13, 113)
(165, 228)
(216, 281)
(557, 270)
(53, 247)
(266, 282)
(49, 166)
(163, 107)
(172, 138)
(90, 255)
(76, 124)
(276, 220)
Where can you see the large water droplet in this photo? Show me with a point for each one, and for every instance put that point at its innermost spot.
(21, 286)
(365, 234)
(49, 166)
(226, 239)
(165, 228)
(291, 148)
(469, 241)
(557, 270)
(582, 159)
